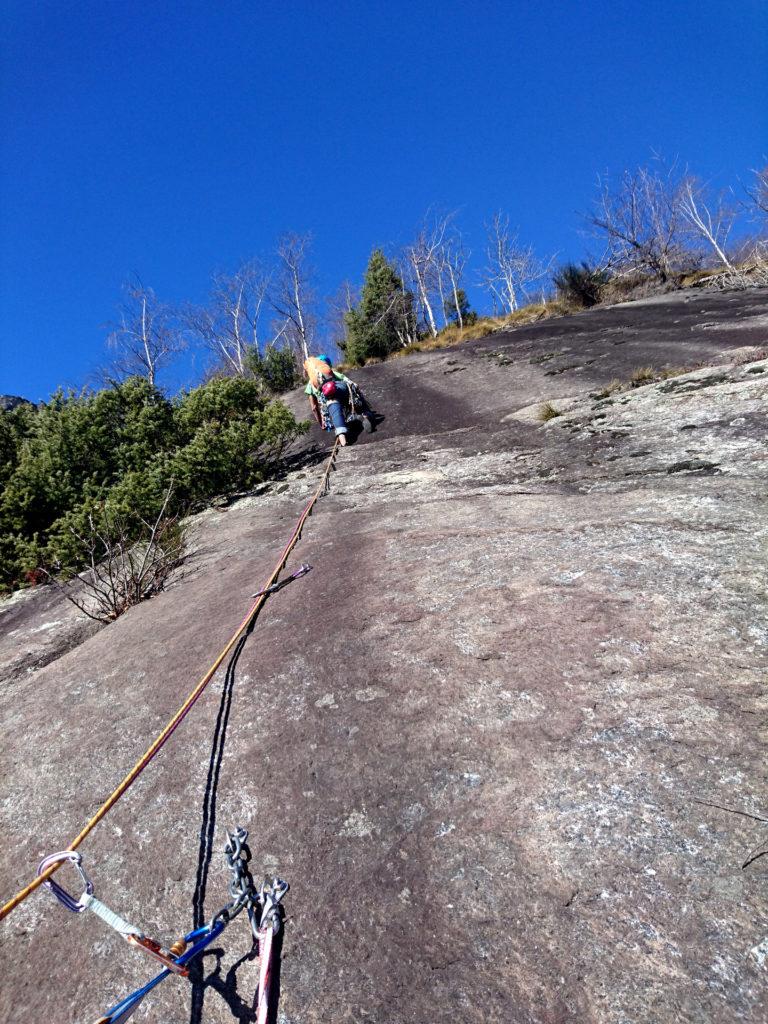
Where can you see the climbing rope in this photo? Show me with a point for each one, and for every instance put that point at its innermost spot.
(151, 751)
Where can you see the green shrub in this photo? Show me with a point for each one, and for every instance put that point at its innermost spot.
(580, 284)
(220, 400)
(118, 451)
(276, 369)
(15, 425)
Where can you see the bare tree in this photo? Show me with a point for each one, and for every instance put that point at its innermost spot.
(758, 192)
(424, 257)
(339, 306)
(146, 336)
(402, 302)
(229, 326)
(126, 565)
(710, 221)
(292, 295)
(451, 259)
(512, 268)
(640, 221)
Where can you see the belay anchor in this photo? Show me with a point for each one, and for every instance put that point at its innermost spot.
(263, 906)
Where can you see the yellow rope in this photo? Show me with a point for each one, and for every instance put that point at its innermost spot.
(150, 752)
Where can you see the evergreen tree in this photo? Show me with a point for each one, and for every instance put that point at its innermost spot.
(276, 369)
(384, 319)
(118, 450)
(467, 315)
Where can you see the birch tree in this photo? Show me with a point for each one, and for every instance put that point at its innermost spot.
(511, 267)
(758, 191)
(424, 257)
(405, 310)
(229, 326)
(339, 306)
(452, 260)
(292, 295)
(146, 336)
(759, 254)
(709, 221)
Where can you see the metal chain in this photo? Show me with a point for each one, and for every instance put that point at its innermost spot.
(262, 904)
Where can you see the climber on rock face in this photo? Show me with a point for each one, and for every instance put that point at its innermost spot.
(334, 397)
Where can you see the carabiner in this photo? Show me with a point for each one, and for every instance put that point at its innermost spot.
(88, 901)
(270, 896)
(60, 893)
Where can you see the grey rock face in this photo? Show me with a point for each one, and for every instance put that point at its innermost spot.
(506, 740)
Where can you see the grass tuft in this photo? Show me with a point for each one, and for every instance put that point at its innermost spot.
(548, 412)
(642, 375)
(610, 389)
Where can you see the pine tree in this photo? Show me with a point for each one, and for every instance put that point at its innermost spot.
(468, 316)
(384, 320)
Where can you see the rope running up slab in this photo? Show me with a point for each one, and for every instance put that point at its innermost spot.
(186, 707)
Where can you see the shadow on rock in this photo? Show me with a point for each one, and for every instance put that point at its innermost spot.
(245, 1012)
(356, 426)
(227, 986)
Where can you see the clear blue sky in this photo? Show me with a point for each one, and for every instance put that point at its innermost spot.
(173, 139)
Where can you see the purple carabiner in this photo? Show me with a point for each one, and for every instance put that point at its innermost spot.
(61, 894)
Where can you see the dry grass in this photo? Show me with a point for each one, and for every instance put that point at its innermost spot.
(548, 412)
(610, 389)
(676, 371)
(536, 311)
(452, 335)
(631, 287)
(486, 325)
(642, 375)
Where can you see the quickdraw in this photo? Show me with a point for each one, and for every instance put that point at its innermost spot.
(132, 935)
(263, 907)
(303, 569)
